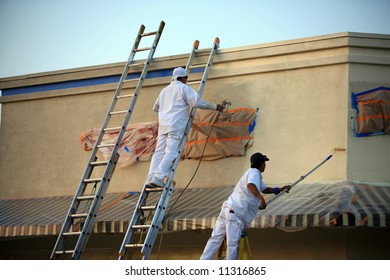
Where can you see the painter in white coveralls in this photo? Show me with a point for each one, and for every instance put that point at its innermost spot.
(173, 107)
(239, 210)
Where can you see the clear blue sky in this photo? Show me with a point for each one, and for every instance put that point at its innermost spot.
(45, 35)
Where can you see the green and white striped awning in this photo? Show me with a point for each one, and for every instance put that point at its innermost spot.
(330, 204)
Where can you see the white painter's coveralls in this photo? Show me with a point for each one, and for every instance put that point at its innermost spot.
(237, 211)
(173, 107)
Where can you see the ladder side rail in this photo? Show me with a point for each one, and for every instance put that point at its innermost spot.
(95, 205)
(162, 204)
(117, 92)
(88, 170)
(72, 208)
(192, 56)
(138, 87)
(135, 217)
(164, 200)
(111, 164)
(157, 220)
(207, 70)
(128, 64)
(114, 156)
(143, 196)
(191, 117)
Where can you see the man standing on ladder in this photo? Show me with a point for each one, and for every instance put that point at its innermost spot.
(239, 210)
(173, 108)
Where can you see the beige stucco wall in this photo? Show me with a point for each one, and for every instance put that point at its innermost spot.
(301, 87)
(369, 157)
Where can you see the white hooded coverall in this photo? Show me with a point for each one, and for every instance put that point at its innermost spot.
(237, 212)
(173, 108)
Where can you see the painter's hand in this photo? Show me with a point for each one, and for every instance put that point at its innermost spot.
(287, 188)
(263, 204)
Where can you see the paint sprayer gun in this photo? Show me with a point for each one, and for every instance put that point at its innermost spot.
(226, 104)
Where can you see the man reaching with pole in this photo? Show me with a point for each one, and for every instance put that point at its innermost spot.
(239, 210)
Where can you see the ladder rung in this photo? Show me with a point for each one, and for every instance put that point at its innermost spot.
(86, 197)
(131, 80)
(203, 50)
(106, 145)
(125, 96)
(198, 66)
(93, 180)
(135, 65)
(119, 112)
(143, 49)
(78, 216)
(134, 245)
(154, 189)
(64, 252)
(148, 208)
(72, 233)
(141, 226)
(99, 163)
(112, 129)
(149, 34)
(194, 82)
(130, 76)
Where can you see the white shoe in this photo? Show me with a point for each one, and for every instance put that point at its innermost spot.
(147, 181)
(155, 183)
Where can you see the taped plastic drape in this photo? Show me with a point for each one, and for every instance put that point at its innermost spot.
(372, 111)
(227, 134)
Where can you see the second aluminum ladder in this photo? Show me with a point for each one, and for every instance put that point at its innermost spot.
(157, 211)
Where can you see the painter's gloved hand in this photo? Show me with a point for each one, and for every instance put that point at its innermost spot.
(287, 188)
(263, 204)
(220, 108)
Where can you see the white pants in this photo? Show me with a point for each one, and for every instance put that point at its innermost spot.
(165, 153)
(227, 224)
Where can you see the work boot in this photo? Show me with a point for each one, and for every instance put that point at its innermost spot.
(155, 183)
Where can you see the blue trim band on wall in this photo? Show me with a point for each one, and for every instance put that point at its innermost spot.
(86, 82)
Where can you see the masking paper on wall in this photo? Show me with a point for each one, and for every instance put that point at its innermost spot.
(372, 111)
(230, 134)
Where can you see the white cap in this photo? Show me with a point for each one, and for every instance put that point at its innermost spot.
(178, 72)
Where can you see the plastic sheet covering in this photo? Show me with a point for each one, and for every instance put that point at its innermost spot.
(307, 205)
(230, 136)
(372, 111)
(224, 135)
(331, 204)
(325, 204)
(138, 143)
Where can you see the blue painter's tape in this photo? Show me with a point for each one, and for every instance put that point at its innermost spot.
(82, 83)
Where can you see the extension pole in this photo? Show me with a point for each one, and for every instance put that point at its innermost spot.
(307, 174)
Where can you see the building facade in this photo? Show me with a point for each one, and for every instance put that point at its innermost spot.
(303, 90)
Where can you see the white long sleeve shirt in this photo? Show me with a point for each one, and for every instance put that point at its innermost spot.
(244, 204)
(173, 106)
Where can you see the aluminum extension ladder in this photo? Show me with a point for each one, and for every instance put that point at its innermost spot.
(157, 211)
(80, 219)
